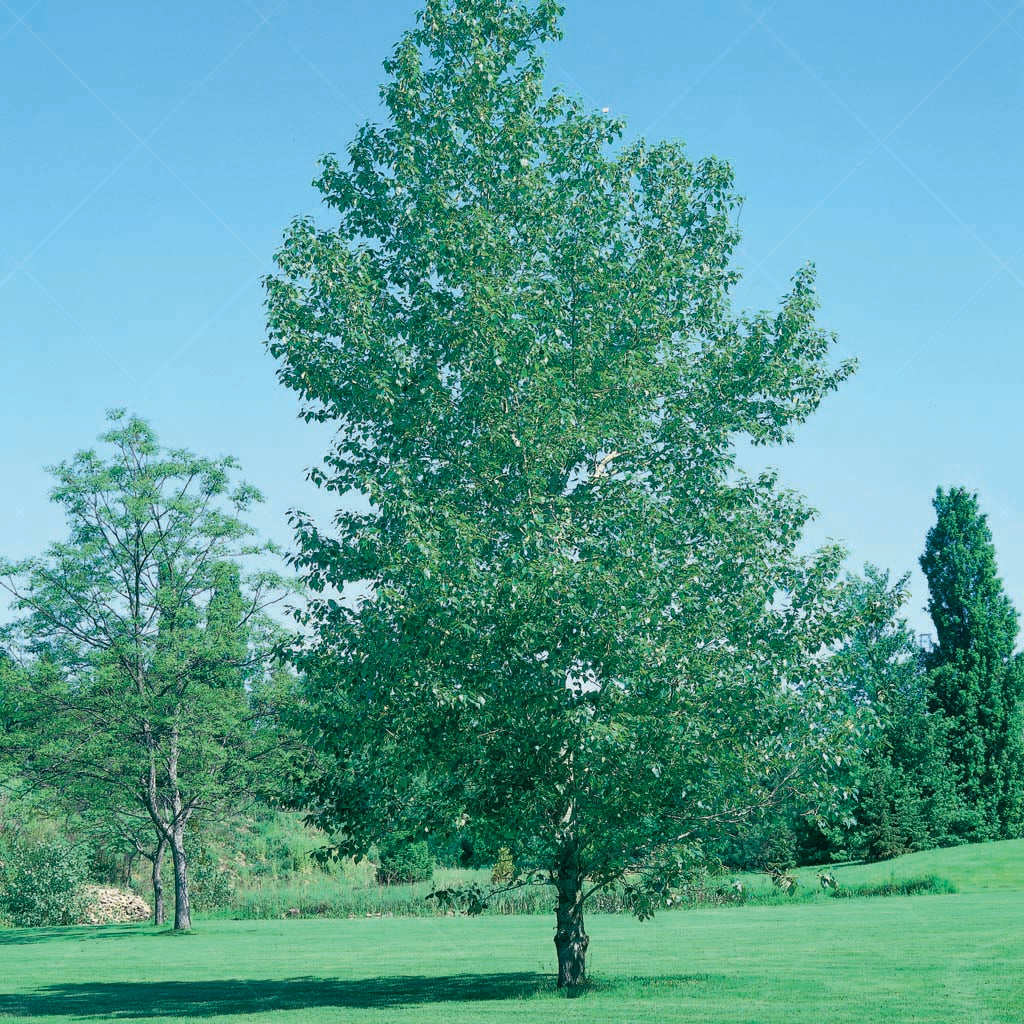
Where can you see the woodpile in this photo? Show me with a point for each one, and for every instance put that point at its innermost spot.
(114, 906)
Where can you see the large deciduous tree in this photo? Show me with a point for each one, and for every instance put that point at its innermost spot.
(143, 717)
(584, 634)
(975, 678)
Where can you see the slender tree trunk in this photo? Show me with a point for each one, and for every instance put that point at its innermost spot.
(182, 907)
(159, 910)
(571, 940)
(127, 864)
(152, 802)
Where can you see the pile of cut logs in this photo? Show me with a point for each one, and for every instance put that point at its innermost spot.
(114, 906)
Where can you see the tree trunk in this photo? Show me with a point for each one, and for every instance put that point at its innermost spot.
(159, 911)
(571, 940)
(182, 908)
(127, 864)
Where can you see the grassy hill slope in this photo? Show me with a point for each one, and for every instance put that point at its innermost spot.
(982, 867)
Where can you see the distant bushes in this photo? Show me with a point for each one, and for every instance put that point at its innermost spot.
(211, 883)
(405, 862)
(41, 883)
(272, 843)
(262, 868)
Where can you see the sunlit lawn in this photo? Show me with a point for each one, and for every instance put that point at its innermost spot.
(939, 959)
(982, 867)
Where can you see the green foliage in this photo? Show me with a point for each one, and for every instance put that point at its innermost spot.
(272, 843)
(228, 664)
(504, 869)
(405, 861)
(780, 837)
(139, 634)
(586, 632)
(110, 863)
(975, 679)
(11, 711)
(907, 787)
(908, 800)
(211, 880)
(41, 883)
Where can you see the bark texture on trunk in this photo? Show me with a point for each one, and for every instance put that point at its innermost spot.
(159, 910)
(571, 940)
(182, 908)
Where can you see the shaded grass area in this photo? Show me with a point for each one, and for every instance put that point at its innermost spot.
(922, 959)
(192, 999)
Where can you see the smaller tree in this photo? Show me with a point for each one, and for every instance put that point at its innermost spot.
(152, 633)
(42, 750)
(974, 677)
(906, 788)
(908, 800)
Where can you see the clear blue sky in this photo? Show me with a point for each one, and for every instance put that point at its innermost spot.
(152, 154)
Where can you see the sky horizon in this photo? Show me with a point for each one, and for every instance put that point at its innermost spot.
(153, 157)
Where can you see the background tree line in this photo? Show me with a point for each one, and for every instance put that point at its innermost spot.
(945, 764)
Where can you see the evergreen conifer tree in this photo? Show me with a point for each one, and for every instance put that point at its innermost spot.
(974, 677)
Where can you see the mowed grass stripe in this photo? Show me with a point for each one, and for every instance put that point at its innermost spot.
(934, 959)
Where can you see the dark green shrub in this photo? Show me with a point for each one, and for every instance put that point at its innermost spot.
(41, 883)
(405, 862)
(110, 864)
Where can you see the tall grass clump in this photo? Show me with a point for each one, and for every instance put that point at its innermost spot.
(898, 887)
(352, 890)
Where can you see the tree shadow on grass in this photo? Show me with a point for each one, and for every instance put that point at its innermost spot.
(23, 936)
(115, 1001)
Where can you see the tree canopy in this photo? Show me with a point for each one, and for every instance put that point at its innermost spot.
(907, 787)
(975, 677)
(584, 633)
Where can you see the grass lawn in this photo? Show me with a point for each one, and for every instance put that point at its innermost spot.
(942, 959)
(983, 867)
